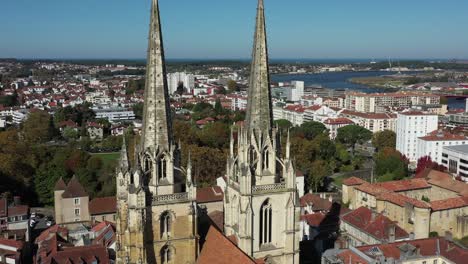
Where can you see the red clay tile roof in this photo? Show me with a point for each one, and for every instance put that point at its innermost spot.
(210, 194)
(3, 207)
(12, 243)
(318, 204)
(438, 135)
(404, 185)
(74, 189)
(349, 257)
(52, 230)
(353, 181)
(18, 210)
(218, 249)
(378, 227)
(85, 255)
(217, 217)
(371, 189)
(450, 203)
(313, 219)
(402, 200)
(427, 247)
(445, 181)
(338, 121)
(60, 185)
(103, 205)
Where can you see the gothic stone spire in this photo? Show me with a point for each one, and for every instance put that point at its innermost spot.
(259, 110)
(157, 130)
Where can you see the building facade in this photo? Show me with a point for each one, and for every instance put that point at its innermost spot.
(409, 127)
(432, 144)
(261, 202)
(156, 197)
(455, 159)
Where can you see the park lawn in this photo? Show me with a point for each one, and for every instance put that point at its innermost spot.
(107, 158)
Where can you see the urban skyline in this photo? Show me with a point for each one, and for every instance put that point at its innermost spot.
(213, 30)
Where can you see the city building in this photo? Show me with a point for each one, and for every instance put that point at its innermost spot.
(333, 124)
(363, 226)
(410, 126)
(381, 102)
(374, 122)
(115, 114)
(180, 79)
(71, 202)
(432, 144)
(432, 203)
(436, 250)
(156, 198)
(11, 251)
(261, 205)
(455, 159)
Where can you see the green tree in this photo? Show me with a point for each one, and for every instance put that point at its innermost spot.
(384, 139)
(214, 135)
(232, 85)
(283, 124)
(352, 135)
(138, 110)
(390, 165)
(38, 128)
(312, 129)
(70, 133)
(218, 107)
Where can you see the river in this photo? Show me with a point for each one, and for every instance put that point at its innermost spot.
(340, 80)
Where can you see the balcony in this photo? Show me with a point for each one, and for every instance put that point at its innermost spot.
(269, 188)
(171, 198)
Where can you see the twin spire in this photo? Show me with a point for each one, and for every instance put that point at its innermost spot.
(259, 109)
(157, 123)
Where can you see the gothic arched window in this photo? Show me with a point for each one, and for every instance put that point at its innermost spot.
(162, 168)
(166, 255)
(265, 223)
(165, 224)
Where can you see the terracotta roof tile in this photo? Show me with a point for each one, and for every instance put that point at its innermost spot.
(402, 200)
(313, 219)
(404, 185)
(438, 135)
(218, 249)
(445, 181)
(103, 205)
(450, 203)
(353, 181)
(74, 189)
(377, 226)
(318, 204)
(60, 185)
(209, 194)
(3, 207)
(18, 210)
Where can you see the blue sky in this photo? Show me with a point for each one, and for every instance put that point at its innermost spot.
(224, 28)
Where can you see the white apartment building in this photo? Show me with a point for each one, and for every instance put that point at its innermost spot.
(176, 78)
(375, 122)
(432, 145)
(115, 114)
(410, 126)
(292, 113)
(296, 91)
(379, 102)
(455, 158)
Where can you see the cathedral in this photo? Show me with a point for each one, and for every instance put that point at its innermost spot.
(156, 197)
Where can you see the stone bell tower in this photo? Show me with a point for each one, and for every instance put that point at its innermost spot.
(156, 221)
(261, 201)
